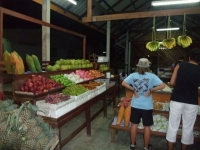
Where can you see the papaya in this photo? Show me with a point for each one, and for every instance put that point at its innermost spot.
(37, 63)
(127, 114)
(6, 58)
(22, 63)
(120, 115)
(30, 63)
(15, 58)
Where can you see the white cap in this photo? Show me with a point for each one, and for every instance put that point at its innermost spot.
(143, 63)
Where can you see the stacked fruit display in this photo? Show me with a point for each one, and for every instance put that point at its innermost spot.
(91, 85)
(62, 80)
(66, 64)
(21, 129)
(14, 57)
(56, 98)
(95, 74)
(103, 67)
(184, 40)
(124, 112)
(74, 90)
(39, 84)
(33, 63)
(76, 77)
(169, 43)
(153, 45)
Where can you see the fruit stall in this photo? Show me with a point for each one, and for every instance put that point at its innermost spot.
(161, 101)
(62, 91)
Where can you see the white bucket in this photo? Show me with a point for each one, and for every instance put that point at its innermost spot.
(107, 74)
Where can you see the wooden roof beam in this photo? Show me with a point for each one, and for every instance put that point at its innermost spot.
(69, 15)
(157, 13)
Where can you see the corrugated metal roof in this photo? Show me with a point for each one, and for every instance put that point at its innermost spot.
(120, 27)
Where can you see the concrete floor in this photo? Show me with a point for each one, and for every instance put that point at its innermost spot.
(100, 137)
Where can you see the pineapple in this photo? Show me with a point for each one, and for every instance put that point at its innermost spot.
(12, 136)
(42, 142)
(25, 114)
(39, 120)
(11, 107)
(3, 126)
(4, 139)
(45, 137)
(34, 132)
(30, 123)
(29, 144)
(2, 116)
(5, 103)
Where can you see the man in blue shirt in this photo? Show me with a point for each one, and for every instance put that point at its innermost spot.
(143, 84)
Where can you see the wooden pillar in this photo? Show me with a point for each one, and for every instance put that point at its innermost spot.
(46, 30)
(1, 35)
(108, 42)
(84, 47)
(126, 52)
(89, 8)
(129, 57)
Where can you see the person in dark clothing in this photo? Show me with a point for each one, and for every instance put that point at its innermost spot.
(184, 100)
(181, 59)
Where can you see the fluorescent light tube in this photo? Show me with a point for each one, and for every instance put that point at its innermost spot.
(166, 29)
(73, 2)
(172, 2)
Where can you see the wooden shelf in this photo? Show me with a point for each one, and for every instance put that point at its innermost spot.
(93, 58)
(114, 128)
(97, 64)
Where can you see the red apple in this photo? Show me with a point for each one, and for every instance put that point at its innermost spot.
(39, 83)
(33, 76)
(39, 76)
(30, 89)
(28, 80)
(30, 84)
(26, 88)
(22, 88)
(50, 85)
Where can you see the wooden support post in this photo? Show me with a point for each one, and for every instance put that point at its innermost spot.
(89, 8)
(84, 47)
(1, 35)
(46, 31)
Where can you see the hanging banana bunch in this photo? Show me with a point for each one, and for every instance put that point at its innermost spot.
(169, 43)
(184, 40)
(153, 45)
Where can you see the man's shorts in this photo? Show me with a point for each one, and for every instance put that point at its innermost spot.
(145, 115)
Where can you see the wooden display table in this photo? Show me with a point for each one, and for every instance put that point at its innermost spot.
(116, 78)
(61, 121)
(161, 96)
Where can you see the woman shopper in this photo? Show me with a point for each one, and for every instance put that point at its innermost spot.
(143, 84)
(184, 100)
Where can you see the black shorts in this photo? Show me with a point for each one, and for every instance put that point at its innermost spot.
(146, 115)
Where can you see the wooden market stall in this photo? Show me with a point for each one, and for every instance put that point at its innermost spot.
(161, 96)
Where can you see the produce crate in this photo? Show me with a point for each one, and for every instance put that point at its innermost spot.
(80, 99)
(101, 88)
(105, 81)
(93, 93)
(70, 105)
